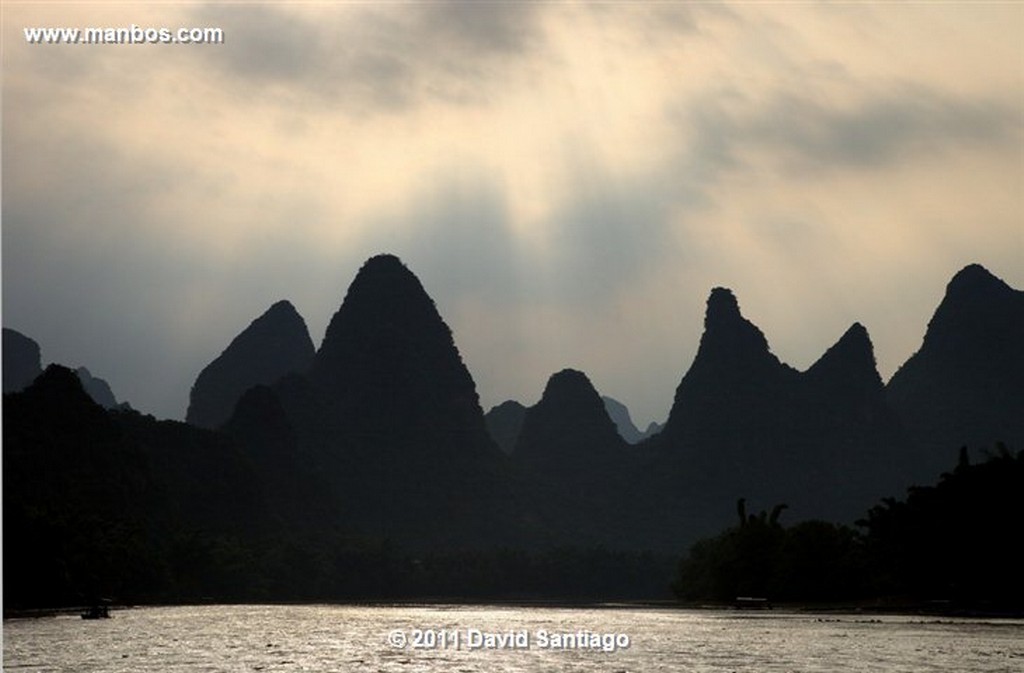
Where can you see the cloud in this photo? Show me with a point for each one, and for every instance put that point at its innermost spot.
(880, 131)
(373, 58)
(457, 235)
(808, 138)
(605, 234)
(567, 179)
(480, 29)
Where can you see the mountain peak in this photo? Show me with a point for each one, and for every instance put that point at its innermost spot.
(388, 354)
(385, 307)
(733, 359)
(974, 298)
(722, 306)
(974, 280)
(568, 384)
(385, 262)
(273, 345)
(851, 360)
(280, 309)
(962, 387)
(855, 342)
(727, 334)
(569, 423)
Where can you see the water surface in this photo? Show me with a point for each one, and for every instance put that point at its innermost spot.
(475, 639)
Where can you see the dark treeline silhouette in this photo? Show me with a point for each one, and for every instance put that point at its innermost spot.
(367, 469)
(952, 545)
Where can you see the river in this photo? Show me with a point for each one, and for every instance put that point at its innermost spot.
(475, 639)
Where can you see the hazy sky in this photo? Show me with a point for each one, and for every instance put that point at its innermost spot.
(568, 180)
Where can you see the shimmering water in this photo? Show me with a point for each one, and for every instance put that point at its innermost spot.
(472, 639)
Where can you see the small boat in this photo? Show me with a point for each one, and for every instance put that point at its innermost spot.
(752, 603)
(97, 612)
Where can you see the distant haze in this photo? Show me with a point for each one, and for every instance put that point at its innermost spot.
(567, 180)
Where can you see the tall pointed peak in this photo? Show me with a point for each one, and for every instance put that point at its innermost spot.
(975, 301)
(963, 386)
(281, 313)
(850, 359)
(282, 308)
(733, 356)
(385, 304)
(389, 365)
(385, 273)
(722, 306)
(973, 280)
(857, 340)
(726, 331)
(273, 345)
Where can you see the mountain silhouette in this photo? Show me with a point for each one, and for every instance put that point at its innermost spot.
(389, 415)
(652, 429)
(275, 344)
(21, 360)
(391, 369)
(965, 385)
(119, 503)
(70, 480)
(848, 367)
(619, 413)
(504, 422)
(293, 488)
(97, 388)
(574, 465)
(863, 450)
(568, 431)
(726, 389)
(744, 424)
(321, 462)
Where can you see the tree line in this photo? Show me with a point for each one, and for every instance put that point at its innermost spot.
(949, 545)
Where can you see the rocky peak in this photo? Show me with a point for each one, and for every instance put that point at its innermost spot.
(963, 387)
(728, 336)
(572, 391)
(273, 345)
(388, 363)
(386, 313)
(570, 422)
(733, 369)
(849, 363)
(974, 281)
(977, 307)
